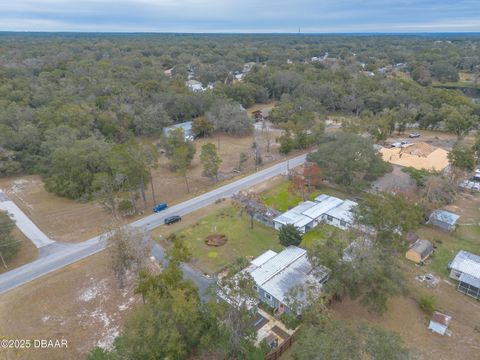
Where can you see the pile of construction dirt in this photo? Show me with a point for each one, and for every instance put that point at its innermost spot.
(216, 240)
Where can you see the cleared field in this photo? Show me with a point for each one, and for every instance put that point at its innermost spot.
(241, 240)
(61, 219)
(405, 317)
(27, 252)
(80, 303)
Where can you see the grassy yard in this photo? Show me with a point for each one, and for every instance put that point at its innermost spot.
(320, 234)
(466, 237)
(241, 240)
(281, 198)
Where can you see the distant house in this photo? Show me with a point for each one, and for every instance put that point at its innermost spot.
(279, 276)
(439, 323)
(247, 67)
(419, 155)
(185, 126)
(444, 220)
(194, 85)
(325, 208)
(420, 251)
(260, 115)
(465, 268)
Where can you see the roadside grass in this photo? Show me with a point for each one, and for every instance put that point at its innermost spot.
(466, 237)
(241, 240)
(281, 198)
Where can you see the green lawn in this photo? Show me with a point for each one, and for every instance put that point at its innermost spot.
(448, 244)
(242, 241)
(280, 198)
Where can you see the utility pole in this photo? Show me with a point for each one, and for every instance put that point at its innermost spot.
(3, 261)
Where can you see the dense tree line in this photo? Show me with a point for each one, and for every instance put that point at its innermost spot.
(61, 95)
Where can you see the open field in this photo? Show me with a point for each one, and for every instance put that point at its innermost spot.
(80, 303)
(60, 218)
(241, 240)
(405, 317)
(27, 252)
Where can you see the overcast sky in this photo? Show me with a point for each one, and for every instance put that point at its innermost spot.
(241, 15)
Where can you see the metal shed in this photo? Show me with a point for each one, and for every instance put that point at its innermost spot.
(444, 220)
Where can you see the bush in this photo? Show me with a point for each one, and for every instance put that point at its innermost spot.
(290, 321)
(427, 303)
(289, 235)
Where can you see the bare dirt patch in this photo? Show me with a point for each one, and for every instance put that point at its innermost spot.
(80, 303)
(216, 240)
(439, 139)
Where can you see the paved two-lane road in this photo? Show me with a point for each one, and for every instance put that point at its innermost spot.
(61, 256)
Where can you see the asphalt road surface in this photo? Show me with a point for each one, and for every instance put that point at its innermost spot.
(56, 256)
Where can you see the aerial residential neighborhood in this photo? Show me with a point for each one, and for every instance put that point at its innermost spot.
(239, 180)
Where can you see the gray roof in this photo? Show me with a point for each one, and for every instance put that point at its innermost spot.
(307, 211)
(344, 211)
(294, 216)
(444, 216)
(286, 270)
(185, 126)
(323, 205)
(422, 247)
(470, 280)
(466, 263)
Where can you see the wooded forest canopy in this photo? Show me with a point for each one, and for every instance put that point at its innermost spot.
(62, 95)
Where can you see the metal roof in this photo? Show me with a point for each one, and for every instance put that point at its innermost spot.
(445, 216)
(294, 216)
(467, 263)
(470, 280)
(260, 260)
(284, 271)
(277, 263)
(343, 211)
(185, 126)
(322, 206)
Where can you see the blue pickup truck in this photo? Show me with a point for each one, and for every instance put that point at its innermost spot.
(159, 207)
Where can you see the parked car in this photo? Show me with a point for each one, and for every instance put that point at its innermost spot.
(159, 207)
(413, 135)
(172, 219)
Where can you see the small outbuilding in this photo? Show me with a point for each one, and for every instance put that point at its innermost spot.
(185, 126)
(444, 220)
(465, 268)
(439, 323)
(420, 251)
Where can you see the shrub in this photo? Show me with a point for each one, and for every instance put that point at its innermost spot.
(427, 303)
(289, 235)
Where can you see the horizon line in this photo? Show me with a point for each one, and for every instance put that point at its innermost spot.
(242, 33)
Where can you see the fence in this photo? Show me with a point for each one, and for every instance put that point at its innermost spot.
(284, 346)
